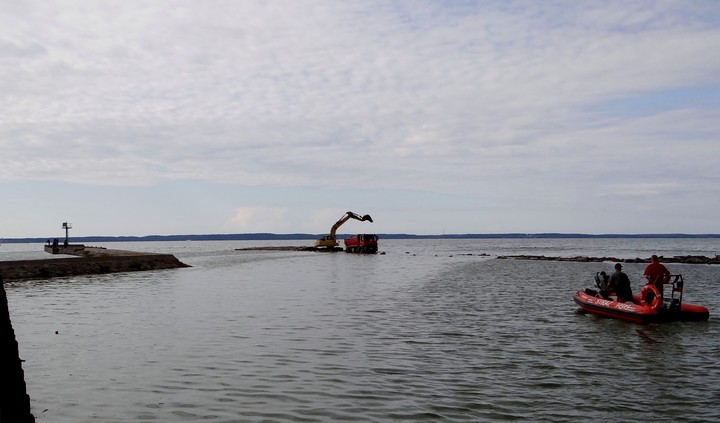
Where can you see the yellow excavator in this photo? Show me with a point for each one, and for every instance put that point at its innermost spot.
(329, 242)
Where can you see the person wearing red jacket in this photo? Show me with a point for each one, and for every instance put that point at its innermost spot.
(656, 273)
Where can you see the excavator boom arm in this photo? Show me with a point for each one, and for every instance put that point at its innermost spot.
(330, 241)
(349, 215)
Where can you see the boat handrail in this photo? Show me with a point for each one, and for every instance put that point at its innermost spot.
(677, 286)
(677, 278)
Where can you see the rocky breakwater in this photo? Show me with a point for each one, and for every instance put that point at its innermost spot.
(88, 261)
(585, 259)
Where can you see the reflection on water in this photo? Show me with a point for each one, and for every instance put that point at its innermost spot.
(431, 331)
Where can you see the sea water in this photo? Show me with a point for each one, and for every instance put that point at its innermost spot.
(432, 330)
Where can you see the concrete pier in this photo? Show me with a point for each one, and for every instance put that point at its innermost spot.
(88, 261)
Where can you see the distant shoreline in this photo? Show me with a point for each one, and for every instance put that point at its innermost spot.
(301, 236)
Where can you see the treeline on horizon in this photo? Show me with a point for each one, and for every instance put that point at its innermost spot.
(280, 237)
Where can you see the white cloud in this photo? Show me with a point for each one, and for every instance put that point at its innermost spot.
(469, 99)
(258, 219)
(284, 220)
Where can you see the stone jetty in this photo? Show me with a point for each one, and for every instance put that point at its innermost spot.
(87, 261)
(585, 259)
(279, 248)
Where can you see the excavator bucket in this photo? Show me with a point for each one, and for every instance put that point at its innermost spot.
(367, 217)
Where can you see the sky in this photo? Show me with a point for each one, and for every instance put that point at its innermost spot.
(135, 117)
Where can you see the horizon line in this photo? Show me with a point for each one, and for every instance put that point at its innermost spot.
(270, 236)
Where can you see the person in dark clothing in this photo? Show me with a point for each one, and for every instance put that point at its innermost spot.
(603, 283)
(620, 283)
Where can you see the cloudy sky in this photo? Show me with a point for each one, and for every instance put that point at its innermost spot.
(194, 117)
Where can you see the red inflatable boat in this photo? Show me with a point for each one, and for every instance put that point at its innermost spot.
(648, 307)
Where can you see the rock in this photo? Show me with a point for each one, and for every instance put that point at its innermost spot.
(675, 259)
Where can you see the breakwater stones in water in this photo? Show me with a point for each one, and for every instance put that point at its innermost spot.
(280, 248)
(689, 259)
(89, 261)
(585, 259)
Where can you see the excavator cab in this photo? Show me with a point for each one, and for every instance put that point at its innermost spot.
(326, 242)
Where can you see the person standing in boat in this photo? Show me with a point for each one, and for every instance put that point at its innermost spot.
(620, 283)
(656, 273)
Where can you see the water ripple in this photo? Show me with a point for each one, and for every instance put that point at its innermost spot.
(323, 338)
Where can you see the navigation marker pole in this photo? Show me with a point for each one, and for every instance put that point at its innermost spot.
(67, 226)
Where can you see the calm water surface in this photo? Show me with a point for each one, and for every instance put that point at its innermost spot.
(431, 331)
